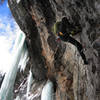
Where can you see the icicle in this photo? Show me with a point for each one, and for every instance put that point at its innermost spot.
(6, 92)
(48, 91)
(17, 98)
(24, 58)
(30, 80)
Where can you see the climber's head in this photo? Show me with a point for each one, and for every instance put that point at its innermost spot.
(60, 26)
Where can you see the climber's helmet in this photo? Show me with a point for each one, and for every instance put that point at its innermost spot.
(55, 28)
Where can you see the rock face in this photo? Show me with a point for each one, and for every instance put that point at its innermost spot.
(61, 62)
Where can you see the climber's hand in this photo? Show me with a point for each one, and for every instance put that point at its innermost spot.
(58, 39)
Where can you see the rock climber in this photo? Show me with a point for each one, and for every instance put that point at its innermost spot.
(63, 29)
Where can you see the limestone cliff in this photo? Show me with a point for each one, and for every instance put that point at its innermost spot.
(61, 62)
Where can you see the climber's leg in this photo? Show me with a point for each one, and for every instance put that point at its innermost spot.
(79, 47)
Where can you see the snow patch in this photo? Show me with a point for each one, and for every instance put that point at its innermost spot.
(18, 1)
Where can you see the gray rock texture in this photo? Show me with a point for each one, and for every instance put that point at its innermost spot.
(61, 62)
